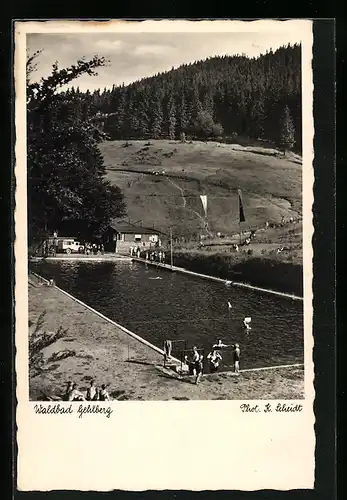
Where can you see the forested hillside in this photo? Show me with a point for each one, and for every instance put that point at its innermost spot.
(219, 97)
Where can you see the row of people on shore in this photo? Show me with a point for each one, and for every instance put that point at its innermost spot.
(135, 252)
(152, 256)
(93, 393)
(92, 248)
(156, 256)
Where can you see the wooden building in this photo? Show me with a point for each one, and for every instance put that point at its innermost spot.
(120, 236)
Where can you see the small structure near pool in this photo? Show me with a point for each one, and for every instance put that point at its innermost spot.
(120, 236)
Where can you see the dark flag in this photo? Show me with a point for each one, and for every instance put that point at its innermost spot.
(242, 214)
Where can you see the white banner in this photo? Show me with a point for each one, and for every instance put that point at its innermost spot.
(204, 203)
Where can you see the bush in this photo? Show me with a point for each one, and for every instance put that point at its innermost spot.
(206, 127)
(39, 339)
(217, 130)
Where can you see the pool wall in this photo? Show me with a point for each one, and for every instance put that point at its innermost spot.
(220, 280)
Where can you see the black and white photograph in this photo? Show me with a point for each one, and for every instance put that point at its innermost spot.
(166, 222)
(165, 192)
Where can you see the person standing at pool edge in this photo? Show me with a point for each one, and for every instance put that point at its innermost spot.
(236, 358)
(199, 366)
(167, 349)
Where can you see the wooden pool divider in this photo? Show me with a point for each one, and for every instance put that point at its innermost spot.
(220, 280)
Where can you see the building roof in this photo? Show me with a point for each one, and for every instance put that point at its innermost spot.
(124, 227)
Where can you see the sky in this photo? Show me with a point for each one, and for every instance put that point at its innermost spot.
(133, 56)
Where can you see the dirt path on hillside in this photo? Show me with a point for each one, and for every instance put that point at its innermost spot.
(180, 189)
(184, 200)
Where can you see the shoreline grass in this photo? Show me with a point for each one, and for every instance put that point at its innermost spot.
(259, 272)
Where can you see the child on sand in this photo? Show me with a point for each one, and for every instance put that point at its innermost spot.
(75, 394)
(214, 358)
(68, 390)
(103, 394)
(92, 392)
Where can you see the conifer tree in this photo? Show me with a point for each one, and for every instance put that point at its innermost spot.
(194, 107)
(183, 121)
(287, 131)
(172, 118)
(132, 119)
(142, 111)
(157, 119)
(120, 113)
(208, 104)
(257, 116)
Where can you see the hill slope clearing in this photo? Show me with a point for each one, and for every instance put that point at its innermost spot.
(162, 183)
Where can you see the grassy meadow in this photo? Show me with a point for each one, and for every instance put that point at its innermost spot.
(271, 186)
(162, 182)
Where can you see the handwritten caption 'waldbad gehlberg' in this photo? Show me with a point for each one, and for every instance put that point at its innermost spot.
(58, 409)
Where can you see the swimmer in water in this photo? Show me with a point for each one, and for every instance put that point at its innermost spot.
(247, 323)
(219, 345)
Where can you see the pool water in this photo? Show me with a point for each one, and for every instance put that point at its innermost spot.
(158, 304)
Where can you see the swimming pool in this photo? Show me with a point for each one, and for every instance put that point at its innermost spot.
(158, 304)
